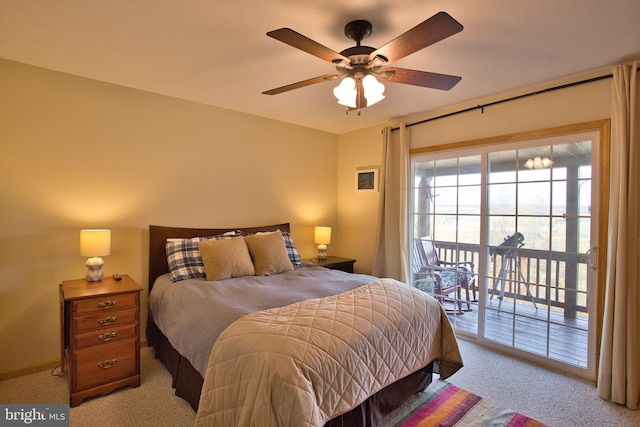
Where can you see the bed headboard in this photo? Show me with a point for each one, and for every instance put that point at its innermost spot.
(158, 236)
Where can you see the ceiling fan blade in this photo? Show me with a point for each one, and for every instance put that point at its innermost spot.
(420, 78)
(438, 27)
(297, 40)
(303, 83)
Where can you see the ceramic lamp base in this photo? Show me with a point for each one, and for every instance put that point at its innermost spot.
(94, 269)
(322, 252)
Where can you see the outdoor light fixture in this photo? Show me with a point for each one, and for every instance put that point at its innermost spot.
(538, 163)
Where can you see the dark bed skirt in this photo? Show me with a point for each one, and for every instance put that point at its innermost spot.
(188, 385)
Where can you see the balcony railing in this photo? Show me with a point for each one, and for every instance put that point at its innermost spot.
(555, 279)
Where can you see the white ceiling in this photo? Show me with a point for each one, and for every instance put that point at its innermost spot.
(216, 52)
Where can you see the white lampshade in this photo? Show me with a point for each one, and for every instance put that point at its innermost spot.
(346, 92)
(322, 237)
(95, 244)
(373, 90)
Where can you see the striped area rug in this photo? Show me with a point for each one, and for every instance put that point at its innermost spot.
(445, 405)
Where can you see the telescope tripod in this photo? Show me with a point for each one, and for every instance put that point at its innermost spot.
(509, 263)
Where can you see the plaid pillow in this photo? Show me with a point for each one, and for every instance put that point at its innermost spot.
(292, 252)
(184, 259)
(294, 256)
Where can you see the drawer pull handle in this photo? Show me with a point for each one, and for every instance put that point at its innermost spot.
(107, 320)
(107, 363)
(107, 304)
(107, 337)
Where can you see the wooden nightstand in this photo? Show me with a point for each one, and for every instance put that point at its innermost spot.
(100, 335)
(335, 263)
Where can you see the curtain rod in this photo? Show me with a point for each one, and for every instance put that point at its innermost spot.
(513, 98)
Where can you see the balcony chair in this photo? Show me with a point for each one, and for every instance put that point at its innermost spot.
(446, 277)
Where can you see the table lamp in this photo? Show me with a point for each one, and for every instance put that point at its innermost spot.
(322, 237)
(95, 244)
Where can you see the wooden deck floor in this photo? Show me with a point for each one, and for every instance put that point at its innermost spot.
(545, 333)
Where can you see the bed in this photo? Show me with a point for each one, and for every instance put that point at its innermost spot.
(205, 355)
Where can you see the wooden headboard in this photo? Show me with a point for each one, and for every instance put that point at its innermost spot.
(158, 236)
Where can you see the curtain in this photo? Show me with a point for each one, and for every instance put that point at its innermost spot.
(618, 369)
(392, 250)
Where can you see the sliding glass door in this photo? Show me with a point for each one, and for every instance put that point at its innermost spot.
(512, 226)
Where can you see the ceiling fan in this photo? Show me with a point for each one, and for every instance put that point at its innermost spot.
(359, 65)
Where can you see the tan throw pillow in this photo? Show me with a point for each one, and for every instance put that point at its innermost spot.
(269, 253)
(224, 259)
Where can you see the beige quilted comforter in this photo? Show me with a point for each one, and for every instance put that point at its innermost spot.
(308, 362)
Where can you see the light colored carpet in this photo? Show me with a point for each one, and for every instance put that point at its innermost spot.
(553, 398)
(152, 404)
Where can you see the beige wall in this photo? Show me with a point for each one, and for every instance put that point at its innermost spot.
(358, 210)
(77, 153)
(577, 104)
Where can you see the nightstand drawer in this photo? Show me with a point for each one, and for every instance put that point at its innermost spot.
(114, 334)
(104, 320)
(102, 364)
(105, 303)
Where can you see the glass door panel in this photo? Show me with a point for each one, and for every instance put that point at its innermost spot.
(447, 199)
(521, 216)
(538, 229)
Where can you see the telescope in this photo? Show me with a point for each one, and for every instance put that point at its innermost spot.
(509, 261)
(512, 241)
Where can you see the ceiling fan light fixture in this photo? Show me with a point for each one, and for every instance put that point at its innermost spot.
(361, 65)
(373, 89)
(346, 92)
